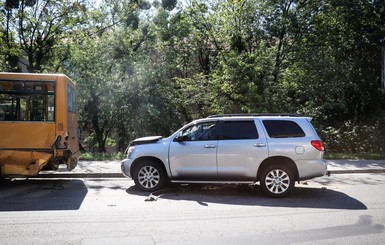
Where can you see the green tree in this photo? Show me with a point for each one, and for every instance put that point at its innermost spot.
(334, 73)
(103, 62)
(244, 62)
(37, 29)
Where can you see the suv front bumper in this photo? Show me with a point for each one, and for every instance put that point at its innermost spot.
(125, 166)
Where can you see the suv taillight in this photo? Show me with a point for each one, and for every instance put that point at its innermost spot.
(318, 144)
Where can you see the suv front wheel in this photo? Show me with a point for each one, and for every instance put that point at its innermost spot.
(277, 180)
(149, 176)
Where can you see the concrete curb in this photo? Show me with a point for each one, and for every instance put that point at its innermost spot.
(356, 171)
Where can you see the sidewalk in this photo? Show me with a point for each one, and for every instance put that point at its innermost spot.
(111, 169)
(87, 169)
(356, 166)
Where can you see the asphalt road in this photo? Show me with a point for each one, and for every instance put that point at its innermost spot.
(340, 209)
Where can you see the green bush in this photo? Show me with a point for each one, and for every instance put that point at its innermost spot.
(355, 138)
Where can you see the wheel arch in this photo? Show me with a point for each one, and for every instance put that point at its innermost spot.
(147, 158)
(278, 160)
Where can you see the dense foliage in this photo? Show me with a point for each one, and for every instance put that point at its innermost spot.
(147, 67)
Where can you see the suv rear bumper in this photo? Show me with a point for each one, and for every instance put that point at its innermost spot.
(308, 169)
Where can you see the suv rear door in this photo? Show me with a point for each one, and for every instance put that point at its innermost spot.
(242, 146)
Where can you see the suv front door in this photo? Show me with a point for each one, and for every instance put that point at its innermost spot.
(241, 148)
(192, 152)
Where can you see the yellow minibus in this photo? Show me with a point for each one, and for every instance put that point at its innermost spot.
(38, 123)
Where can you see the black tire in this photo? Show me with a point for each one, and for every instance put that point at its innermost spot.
(149, 176)
(277, 180)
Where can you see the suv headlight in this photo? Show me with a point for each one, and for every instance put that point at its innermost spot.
(130, 151)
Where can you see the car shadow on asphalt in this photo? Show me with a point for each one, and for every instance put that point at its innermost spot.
(41, 195)
(251, 195)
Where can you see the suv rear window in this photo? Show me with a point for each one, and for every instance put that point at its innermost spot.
(283, 129)
(238, 130)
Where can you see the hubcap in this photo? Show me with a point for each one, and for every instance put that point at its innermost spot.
(277, 181)
(148, 177)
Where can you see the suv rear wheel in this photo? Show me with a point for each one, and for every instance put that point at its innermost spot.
(277, 180)
(149, 176)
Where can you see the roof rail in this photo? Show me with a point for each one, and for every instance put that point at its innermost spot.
(256, 115)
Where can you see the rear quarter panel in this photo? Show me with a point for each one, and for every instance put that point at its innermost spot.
(309, 160)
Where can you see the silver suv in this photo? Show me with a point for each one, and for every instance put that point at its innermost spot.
(274, 150)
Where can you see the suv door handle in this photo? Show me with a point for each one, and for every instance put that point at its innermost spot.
(209, 146)
(260, 145)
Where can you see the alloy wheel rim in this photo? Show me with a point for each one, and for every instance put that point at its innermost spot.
(148, 177)
(277, 181)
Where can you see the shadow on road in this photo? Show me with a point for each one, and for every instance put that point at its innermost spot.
(252, 196)
(41, 195)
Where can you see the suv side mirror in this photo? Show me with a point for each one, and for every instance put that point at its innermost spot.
(180, 138)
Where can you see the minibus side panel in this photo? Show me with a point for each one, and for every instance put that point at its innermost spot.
(23, 150)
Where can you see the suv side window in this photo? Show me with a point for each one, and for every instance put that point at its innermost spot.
(201, 131)
(238, 130)
(283, 129)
